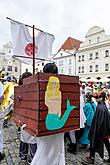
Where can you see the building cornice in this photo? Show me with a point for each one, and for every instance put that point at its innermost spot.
(69, 55)
(83, 49)
(94, 33)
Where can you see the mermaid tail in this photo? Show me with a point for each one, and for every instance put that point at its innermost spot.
(53, 121)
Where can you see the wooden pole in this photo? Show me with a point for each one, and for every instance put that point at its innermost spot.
(33, 50)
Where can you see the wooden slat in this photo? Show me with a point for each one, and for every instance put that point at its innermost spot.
(27, 113)
(32, 87)
(65, 129)
(31, 125)
(63, 78)
(26, 104)
(32, 96)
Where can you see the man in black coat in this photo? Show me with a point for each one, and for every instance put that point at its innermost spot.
(99, 131)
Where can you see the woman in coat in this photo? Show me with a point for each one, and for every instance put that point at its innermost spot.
(89, 110)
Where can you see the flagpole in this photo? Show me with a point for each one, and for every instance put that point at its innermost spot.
(33, 50)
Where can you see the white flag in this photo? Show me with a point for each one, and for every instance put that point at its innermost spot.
(23, 43)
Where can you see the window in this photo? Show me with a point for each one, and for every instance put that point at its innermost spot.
(79, 70)
(91, 56)
(9, 68)
(36, 69)
(69, 71)
(16, 69)
(82, 57)
(107, 53)
(91, 68)
(79, 58)
(89, 41)
(82, 69)
(61, 54)
(61, 70)
(98, 39)
(61, 62)
(70, 62)
(3, 68)
(96, 68)
(96, 55)
(106, 67)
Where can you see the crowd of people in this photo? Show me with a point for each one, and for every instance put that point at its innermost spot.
(94, 124)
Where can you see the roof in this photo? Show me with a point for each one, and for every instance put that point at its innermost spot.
(70, 44)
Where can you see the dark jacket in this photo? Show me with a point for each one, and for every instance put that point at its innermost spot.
(100, 128)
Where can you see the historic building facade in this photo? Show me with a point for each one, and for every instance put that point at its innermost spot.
(93, 56)
(9, 64)
(65, 58)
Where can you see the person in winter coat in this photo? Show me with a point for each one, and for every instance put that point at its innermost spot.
(99, 131)
(89, 110)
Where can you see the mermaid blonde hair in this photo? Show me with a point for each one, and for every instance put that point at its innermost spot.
(49, 92)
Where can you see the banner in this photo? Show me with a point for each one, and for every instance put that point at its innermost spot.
(23, 43)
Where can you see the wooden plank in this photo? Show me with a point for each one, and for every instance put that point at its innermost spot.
(27, 113)
(31, 125)
(27, 104)
(32, 87)
(30, 96)
(66, 129)
(30, 79)
(63, 78)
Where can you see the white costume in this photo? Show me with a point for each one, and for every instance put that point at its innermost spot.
(82, 115)
(50, 150)
(1, 116)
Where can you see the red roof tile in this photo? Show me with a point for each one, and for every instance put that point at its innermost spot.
(70, 44)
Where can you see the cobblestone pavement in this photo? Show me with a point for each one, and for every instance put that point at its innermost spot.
(11, 149)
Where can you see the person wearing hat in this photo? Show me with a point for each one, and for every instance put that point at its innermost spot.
(99, 131)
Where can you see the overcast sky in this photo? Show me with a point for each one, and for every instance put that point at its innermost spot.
(63, 18)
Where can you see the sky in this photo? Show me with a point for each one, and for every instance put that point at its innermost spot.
(62, 18)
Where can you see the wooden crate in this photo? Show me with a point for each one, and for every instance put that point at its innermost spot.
(30, 108)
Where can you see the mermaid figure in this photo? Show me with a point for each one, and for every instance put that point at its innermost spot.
(53, 102)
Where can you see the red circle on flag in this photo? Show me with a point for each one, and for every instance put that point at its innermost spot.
(29, 49)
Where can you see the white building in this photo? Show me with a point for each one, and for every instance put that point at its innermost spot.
(11, 65)
(93, 56)
(65, 62)
(65, 58)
